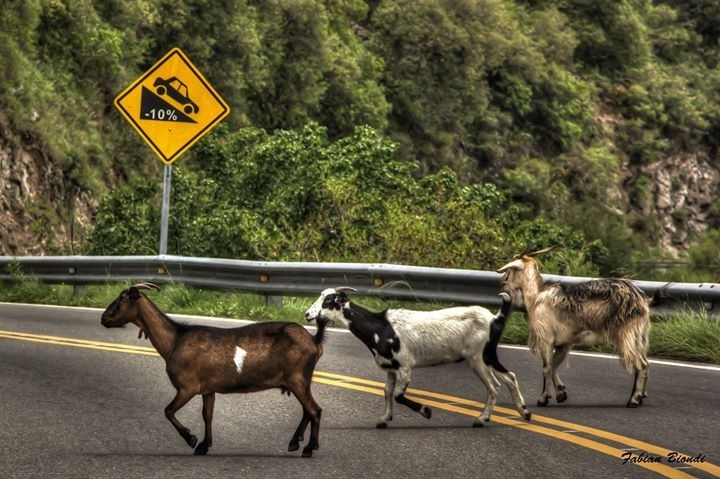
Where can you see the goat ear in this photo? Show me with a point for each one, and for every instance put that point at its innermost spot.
(133, 293)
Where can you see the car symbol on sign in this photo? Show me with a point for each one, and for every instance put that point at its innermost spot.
(176, 90)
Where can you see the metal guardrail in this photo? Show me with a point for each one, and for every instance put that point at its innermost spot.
(298, 279)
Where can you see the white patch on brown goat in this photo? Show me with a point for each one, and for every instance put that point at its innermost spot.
(239, 358)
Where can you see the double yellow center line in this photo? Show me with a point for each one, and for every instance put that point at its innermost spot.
(615, 445)
(566, 431)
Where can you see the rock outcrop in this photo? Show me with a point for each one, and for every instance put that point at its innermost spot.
(681, 192)
(41, 213)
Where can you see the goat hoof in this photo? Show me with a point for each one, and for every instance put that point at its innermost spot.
(478, 424)
(307, 451)
(635, 401)
(426, 412)
(202, 449)
(543, 402)
(293, 446)
(527, 415)
(381, 425)
(191, 440)
(561, 396)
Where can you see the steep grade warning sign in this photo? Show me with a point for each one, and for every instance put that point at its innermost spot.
(171, 105)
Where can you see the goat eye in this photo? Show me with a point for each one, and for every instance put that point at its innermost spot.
(331, 303)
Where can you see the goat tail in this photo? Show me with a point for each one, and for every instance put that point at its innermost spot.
(320, 335)
(661, 296)
(633, 344)
(497, 326)
(505, 309)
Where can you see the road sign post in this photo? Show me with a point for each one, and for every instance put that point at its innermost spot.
(165, 209)
(171, 106)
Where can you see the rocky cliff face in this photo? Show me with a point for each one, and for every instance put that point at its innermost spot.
(40, 212)
(680, 194)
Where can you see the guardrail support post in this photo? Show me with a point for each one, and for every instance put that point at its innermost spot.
(273, 300)
(80, 289)
(713, 310)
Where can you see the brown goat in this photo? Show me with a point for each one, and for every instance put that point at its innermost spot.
(207, 360)
(598, 310)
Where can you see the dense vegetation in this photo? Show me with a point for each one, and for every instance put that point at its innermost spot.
(296, 195)
(449, 133)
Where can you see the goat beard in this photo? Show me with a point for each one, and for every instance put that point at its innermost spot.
(322, 318)
(517, 298)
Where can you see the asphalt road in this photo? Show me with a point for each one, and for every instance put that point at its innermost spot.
(77, 402)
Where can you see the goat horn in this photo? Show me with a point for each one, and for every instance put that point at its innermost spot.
(146, 286)
(345, 288)
(516, 263)
(541, 251)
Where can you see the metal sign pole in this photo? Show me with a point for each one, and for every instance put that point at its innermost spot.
(160, 107)
(165, 210)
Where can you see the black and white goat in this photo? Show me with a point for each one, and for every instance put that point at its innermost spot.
(207, 360)
(598, 310)
(401, 340)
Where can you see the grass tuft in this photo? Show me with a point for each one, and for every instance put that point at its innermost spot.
(689, 337)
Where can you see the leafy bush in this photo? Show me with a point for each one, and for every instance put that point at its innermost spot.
(296, 195)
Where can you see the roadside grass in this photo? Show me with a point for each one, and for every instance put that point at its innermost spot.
(687, 336)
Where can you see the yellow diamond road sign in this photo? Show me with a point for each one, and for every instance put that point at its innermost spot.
(171, 105)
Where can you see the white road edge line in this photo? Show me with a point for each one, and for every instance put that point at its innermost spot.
(680, 364)
(230, 322)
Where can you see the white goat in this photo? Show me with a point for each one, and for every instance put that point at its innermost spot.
(598, 310)
(401, 340)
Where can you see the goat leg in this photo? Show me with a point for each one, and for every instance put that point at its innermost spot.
(546, 355)
(315, 414)
(311, 414)
(415, 406)
(299, 434)
(207, 413)
(636, 398)
(389, 388)
(402, 382)
(559, 356)
(491, 386)
(300, 388)
(181, 398)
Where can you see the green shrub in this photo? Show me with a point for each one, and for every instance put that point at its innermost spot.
(298, 196)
